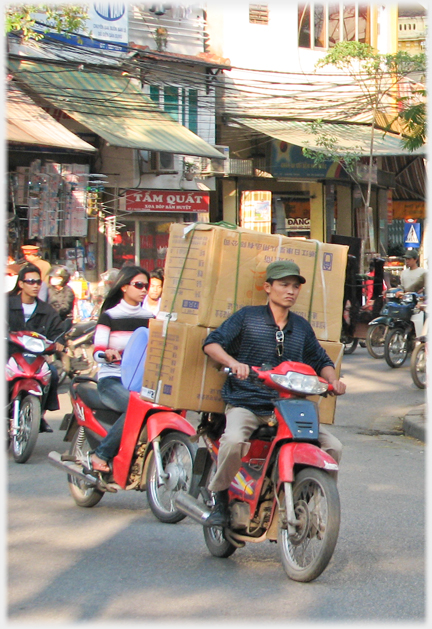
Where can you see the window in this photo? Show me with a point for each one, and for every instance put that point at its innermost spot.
(323, 25)
(258, 14)
(179, 102)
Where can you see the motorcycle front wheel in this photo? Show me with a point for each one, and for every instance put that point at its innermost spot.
(375, 338)
(418, 365)
(306, 553)
(178, 455)
(396, 348)
(24, 441)
(84, 495)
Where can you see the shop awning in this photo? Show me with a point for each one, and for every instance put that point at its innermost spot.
(354, 138)
(29, 124)
(111, 105)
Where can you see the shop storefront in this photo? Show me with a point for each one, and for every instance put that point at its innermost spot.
(143, 224)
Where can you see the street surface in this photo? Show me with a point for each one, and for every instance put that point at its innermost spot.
(117, 563)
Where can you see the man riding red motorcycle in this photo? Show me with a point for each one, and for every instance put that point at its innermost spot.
(27, 312)
(253, 336)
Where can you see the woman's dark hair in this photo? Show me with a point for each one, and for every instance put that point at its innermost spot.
(27, 268)
(124, 276)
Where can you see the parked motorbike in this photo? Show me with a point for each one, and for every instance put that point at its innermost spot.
(28, 379)
(284, 491)
(405, 323)
(77, 357)
(419, 357)
(155, 453)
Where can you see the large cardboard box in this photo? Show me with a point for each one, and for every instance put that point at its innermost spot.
(212, 271)
(178, 373)
(327, 405)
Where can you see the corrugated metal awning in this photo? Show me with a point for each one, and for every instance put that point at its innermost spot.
(29, 124)
(353, 138)
(112, 106)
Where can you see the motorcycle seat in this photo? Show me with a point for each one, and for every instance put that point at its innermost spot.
(89, 394)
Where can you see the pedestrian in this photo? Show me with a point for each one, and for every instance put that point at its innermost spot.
(252, 336)
(60, 296)
(27, 312)
(32, 254)
(121, 314)
(153, 298)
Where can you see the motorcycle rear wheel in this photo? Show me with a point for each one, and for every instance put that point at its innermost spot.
(375, 338)
(24, 442)
(307, 553)
(396, 348)
(178, 455)
(84, 495)
(418, 365)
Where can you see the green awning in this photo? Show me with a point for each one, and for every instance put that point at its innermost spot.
(29, 124)
(350, 137)
(111, 105)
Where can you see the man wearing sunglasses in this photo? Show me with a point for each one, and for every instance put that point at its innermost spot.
(28, 312)
(252, 336)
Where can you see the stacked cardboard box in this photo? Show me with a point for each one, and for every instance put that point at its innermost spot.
(212, 271)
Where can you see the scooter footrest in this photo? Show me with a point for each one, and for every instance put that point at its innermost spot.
(68, 457)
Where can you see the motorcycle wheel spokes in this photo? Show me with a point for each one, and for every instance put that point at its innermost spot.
(396, 348)
(177, 454)
(306, 553)
(24, 442)
(84, 495)
(375, 338)
(418, 366)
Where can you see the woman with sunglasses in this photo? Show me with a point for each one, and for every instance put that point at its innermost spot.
(28, 312)
(121, 314)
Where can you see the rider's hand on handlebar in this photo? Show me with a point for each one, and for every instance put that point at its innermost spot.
(59, 347)
(240, 370)
(112, 355)
(339, 387)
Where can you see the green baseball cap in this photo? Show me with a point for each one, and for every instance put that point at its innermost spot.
(283, 268)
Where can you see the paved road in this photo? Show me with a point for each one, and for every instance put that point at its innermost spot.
(117, 563)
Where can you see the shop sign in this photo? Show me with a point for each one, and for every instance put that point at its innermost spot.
(166, 201)
(107, 26)
(298, 224)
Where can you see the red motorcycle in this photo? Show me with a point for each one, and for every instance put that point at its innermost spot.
(283, 491)
(155, 453)
(28, 378)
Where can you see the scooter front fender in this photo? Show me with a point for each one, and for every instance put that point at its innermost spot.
(167, 420)
(302, 453)
(379, 321)
(26, 385)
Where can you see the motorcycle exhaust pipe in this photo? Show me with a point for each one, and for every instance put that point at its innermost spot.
(71, 468)
(190, 506)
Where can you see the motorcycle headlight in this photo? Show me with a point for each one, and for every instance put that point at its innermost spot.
(45, 373)
(11, 368)
(32, 344)
(299, 383)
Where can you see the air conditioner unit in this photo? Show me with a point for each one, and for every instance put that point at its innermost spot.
(215, 166)
(161, 162)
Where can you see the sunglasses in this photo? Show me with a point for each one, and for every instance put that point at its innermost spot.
(32, 282)
(280, 337)
(139, 285)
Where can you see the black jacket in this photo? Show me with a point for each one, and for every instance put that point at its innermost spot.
(61, 300)
(44, 319)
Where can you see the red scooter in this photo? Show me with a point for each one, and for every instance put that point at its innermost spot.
(283, 491)
(155, 453)
(28, 378)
